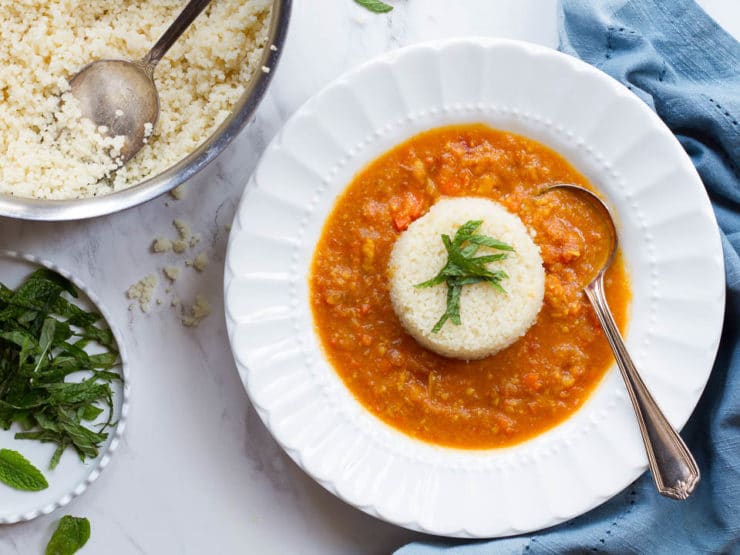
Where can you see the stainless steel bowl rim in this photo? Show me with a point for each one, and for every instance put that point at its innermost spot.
(77, 209)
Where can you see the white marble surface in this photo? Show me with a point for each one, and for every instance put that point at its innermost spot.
(197, 471)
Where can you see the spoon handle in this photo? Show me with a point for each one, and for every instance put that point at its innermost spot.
(173, 32)
(674, 469)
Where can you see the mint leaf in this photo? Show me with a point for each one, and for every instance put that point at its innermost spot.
(47, 336)
(466, 231)
(464, 268)
(71, 535)
(375, 6)
(17, 472)
(490, 242)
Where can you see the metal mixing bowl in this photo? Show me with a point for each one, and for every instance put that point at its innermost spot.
(241, 114)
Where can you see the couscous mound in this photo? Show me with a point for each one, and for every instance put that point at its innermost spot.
(490, 320)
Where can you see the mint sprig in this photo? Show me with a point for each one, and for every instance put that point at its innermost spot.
(71, 535)
(463, 267)
(17, 472)
(375, 6)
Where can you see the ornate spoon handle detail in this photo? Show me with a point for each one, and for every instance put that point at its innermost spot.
(674, 469)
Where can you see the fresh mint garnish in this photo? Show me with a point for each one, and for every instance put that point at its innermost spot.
(464, 268)
(43, 337)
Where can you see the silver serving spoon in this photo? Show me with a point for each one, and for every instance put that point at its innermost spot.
(674, 469)
(121, 95)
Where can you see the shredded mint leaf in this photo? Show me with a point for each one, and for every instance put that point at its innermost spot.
(463, 267)
(70, 536)
(17, 472)
(43, 337)
(375, 6)
(466, 231)
(490, 243)
(45, 341)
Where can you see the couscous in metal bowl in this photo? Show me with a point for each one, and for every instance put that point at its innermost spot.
(156, 185)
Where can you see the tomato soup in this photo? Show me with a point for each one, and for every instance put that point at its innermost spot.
(506, 398)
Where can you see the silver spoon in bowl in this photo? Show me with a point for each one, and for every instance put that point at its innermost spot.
(674, 469)
(121, 95)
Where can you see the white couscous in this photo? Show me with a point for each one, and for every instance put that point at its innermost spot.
(490, 319)
(47, 151)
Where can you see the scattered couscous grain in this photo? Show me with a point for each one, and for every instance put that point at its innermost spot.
(183, 229)
(178, 193)
(171, 272)
(200, 262)
(143, 290)
(161, 244)
(200, 310)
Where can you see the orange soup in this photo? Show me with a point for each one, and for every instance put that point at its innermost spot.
(508, 397)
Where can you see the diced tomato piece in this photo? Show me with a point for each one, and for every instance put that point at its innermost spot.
(532, 381)
(406, 209)
(401, 221)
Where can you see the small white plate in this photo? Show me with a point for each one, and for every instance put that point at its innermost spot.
(71, 477)
(668, 234)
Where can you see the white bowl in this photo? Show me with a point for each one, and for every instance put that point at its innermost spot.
(668, 234)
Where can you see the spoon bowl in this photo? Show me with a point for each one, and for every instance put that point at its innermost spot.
(604, 213)
(120, 97)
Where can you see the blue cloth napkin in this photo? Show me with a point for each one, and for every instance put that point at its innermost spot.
(687, 68)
